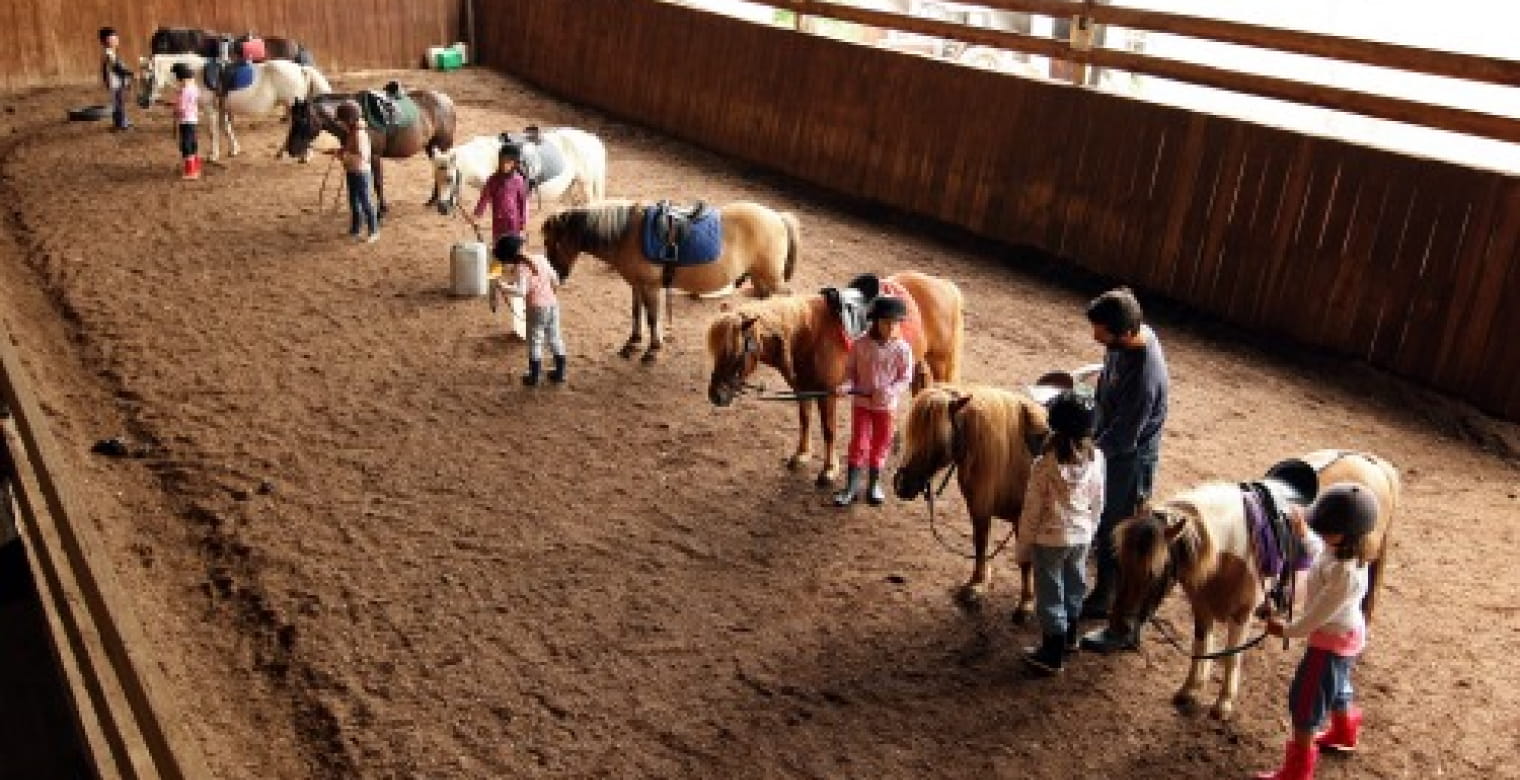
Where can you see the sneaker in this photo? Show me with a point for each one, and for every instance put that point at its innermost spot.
(373, 237)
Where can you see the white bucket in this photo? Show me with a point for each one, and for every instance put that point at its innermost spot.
(432, 55)
(464, 52)
(468, 269)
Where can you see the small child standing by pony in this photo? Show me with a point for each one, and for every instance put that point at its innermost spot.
(877, 373)
(1335, 530)
(116, 77)
(535, 280)
(355, 154)
(187, 107)
(1062, 505)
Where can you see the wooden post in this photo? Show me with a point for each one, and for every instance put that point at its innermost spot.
(1081, 40)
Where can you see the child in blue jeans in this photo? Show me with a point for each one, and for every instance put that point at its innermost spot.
(1062, 505)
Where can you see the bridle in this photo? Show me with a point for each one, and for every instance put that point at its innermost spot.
(929, 493)
(737, 367)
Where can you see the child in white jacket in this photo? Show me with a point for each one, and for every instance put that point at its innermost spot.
(1062, 505)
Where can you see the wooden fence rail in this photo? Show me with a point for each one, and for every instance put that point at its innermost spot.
(1404, 262)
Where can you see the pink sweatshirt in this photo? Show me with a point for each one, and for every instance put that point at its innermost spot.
(187, 103)
(537, 289)
(882, 371)
(507, 194)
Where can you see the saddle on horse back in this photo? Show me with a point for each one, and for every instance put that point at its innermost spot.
(541, 162)
(852, 303)
(224, 76)
(682, 235)
(1267, 504)
(389, 110)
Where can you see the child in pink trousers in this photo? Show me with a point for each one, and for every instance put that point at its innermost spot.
(878, 373)
(1334, 530)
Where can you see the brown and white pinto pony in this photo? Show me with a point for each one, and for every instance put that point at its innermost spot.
(985, 434)
(803, 340)
(1199, 539)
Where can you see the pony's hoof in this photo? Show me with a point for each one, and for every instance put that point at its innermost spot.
(650, 357)
(1022, 614)
(970, 597)
(824, 479)
(1185, 702)
(796, 462)
(1222, 710)
(627, 351)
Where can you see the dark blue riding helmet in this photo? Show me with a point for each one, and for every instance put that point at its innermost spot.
(1072, 414)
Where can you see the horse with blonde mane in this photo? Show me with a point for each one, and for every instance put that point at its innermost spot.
(989, 437)
(804, 341)
(1202, 539)
(757, 243)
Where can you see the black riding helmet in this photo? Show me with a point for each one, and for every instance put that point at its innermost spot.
(868, 284)
(1344, 508)
(888, 307)
(508, 248)
(510, 151)
(182, 71)
(1072, 414)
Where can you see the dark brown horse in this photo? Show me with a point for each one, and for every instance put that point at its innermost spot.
(432, 132)
(186, 40)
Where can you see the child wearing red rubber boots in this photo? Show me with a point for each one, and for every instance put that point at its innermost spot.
(877, 373)
(1335, 530)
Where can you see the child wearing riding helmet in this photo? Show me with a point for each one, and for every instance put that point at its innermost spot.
(1062, 504)
(1336, 532)
(506, 192)
(877, 373)
(187, 106)
(534, 280)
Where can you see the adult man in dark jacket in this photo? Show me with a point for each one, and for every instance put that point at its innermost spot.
(1132, 405)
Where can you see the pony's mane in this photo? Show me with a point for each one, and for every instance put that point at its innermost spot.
(598, 227)
(993, 426)
(1142, 544)
(779, 315)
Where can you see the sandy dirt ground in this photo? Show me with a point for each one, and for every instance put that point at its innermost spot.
(362, 549)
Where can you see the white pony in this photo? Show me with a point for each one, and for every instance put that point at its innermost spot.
(583, 155)
(275, 83)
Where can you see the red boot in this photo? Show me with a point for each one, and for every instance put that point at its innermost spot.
(195, 166)
(188, 169)
(1298, 763)
(1344, 727)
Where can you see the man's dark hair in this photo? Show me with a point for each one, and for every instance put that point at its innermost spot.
(1117, 310)
(105, 32)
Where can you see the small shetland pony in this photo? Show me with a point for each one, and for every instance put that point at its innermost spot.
(986, 435)
(804, 341)
(581, 180)
(758, 243)
(1200, 539)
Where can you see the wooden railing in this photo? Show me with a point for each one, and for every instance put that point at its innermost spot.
(1409, 58)
(114, 681)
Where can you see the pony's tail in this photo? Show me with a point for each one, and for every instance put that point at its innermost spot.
(793, 245)
(316, 83)
(1375, 569)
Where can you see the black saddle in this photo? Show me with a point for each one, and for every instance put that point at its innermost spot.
(852, 303)
(672, 223)
(377, 105)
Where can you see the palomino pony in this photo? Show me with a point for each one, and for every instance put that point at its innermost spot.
(1200, 539)
(986, 435)
(803, 340)
(757, 243)
(572, 161)
(274, 83)
(431, 133)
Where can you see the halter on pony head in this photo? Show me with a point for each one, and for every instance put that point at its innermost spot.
(1151, 548)
(928, 452)
(736, 354)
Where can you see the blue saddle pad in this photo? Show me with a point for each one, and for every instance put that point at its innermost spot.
(242, 75)
(702, 245)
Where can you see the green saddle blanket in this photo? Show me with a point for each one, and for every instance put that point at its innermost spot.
(386, 113)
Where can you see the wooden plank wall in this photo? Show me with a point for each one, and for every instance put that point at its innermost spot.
(1408, 263)
(53, 41)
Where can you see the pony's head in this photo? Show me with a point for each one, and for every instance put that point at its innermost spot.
(561, 243)
(734, 342)
(1156, 548)
(150, 79)
(932, 441)
(305, 126)
(446, 178)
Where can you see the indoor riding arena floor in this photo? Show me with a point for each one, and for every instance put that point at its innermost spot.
(362, 549)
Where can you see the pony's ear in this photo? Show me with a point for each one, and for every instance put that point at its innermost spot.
(747, 321)
(958, 402)
(1175, 524)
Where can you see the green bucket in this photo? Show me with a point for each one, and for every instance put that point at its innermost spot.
(448, 59)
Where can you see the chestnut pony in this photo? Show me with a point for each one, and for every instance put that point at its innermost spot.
(803, 340)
